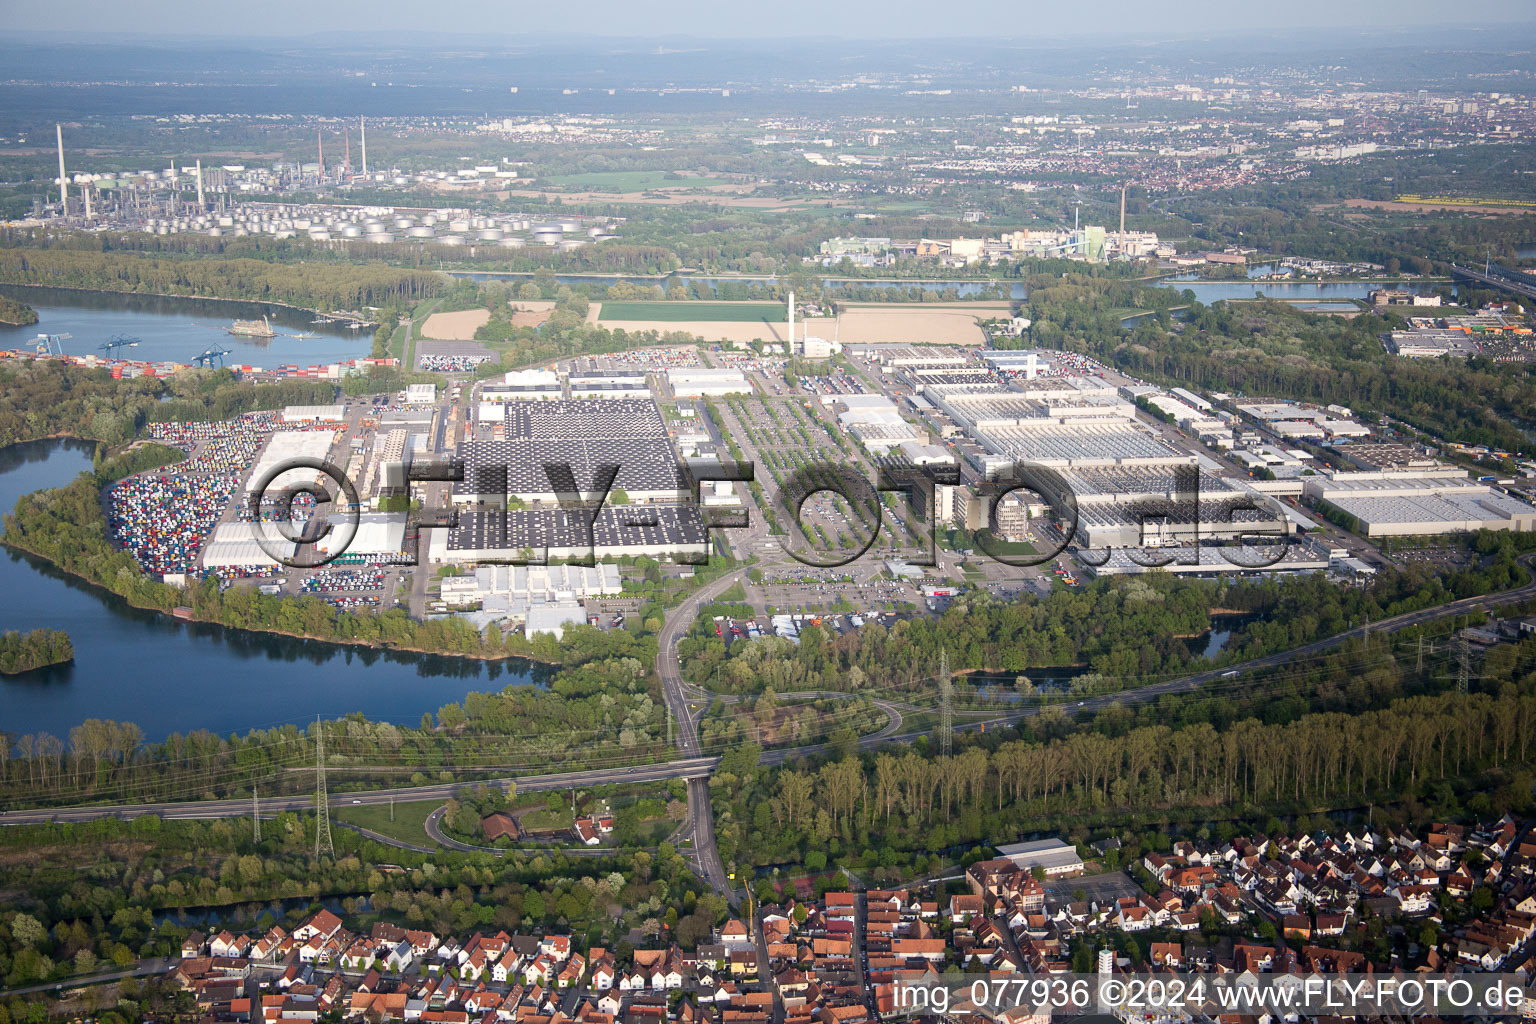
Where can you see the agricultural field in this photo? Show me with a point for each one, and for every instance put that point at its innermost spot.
(695, 312)
(631, 181)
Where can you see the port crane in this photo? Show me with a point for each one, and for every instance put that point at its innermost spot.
(208, 356)
(117, 341)
(51, 344)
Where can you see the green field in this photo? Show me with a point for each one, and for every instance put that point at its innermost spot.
(410, 824)
(629, 181)
(685, 312)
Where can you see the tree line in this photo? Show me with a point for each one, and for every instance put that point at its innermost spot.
(324, 286)
(1453, 752)
(23, 652)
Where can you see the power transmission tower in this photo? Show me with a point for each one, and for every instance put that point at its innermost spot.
(323, 842)
(946, 705)
(1463, 663)
(255, 815)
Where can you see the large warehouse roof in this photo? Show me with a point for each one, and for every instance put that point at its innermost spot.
(236, 544)
(583, 433)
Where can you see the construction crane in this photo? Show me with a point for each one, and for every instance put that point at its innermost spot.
(117, 341)
(51, 344)
(210, 354)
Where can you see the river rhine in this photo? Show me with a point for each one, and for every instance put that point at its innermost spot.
(170, 676)
(177, 329)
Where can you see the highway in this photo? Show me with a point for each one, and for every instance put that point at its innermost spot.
(197, 809)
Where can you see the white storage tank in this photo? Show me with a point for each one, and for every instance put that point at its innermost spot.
(382, 237)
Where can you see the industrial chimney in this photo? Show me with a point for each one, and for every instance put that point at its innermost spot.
(791, 345)
(63, 182)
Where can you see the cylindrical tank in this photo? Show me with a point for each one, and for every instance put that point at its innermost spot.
(458, 225)
(382, 237)
(351, 231)
(451, 240)
(419, 232)
(512, 242)
(570, 226)
(547, 236)
(490, 234)
(320, 235)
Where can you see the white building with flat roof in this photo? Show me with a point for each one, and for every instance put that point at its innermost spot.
(1056, 857)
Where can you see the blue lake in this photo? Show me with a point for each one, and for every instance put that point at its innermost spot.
(172, 676)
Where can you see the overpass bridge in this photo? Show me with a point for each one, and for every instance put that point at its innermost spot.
(1497, 276)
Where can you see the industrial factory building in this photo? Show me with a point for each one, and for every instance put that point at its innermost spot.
(609, 385)
(659, 531)
(235, 544)
(702, 381)
(1420, 502)
(583, 433)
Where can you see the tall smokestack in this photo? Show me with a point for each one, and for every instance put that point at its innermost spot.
(1122, 217)
(63, 182)
(363, 126)
(85, 190)
(200, 199)
(320, 155)
(791, 321)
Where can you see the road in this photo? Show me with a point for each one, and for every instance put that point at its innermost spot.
(195, 809)
(141, 969)
(434, 828)
(686, 709)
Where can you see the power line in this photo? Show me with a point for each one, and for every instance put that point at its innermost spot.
(1463, 662)
(322, 800)
(946, 705)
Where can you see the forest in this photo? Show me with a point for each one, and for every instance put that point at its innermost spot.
(323, 286)
(1119, 632)
(17, 314)
(1361, 726)
(46, 398)
(23, 652)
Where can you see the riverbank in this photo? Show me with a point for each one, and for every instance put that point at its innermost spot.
(185, 613)
(163, 295)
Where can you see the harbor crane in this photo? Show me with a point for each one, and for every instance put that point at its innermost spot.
(209, 355)
(51, 344)
(117, 341)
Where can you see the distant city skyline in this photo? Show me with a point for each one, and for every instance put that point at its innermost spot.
(871, 19)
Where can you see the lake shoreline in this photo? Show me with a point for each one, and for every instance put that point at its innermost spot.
(353, 644)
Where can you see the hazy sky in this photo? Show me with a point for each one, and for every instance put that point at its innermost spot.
(743, 19)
